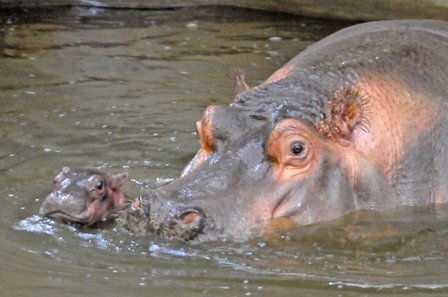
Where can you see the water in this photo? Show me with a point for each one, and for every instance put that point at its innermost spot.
(121, 90)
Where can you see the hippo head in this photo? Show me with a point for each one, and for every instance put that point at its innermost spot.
(84, 196)
(259, 163)
(343, 126)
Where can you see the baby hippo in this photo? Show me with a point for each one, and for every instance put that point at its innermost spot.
(87, 196)
(84, 196)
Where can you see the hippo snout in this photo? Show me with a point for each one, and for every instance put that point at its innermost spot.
(63, 206)
(146, 215)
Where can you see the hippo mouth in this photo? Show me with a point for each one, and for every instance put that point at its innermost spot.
(57, 209)
(287, 208)
(85, 217)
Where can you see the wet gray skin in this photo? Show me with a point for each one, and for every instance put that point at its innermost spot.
(84, 196)
(356, 121)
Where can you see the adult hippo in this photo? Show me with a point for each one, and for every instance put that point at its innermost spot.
(356, 121)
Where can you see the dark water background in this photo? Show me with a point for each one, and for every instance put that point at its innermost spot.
(121, 90)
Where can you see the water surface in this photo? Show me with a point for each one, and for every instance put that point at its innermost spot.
(121, 90)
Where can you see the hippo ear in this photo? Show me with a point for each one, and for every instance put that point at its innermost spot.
(346, 115)
(62, 175)
(352, 112)
(240, 78)
(118, 180)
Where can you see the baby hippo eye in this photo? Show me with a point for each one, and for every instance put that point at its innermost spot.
(100, 185)
(298, 149)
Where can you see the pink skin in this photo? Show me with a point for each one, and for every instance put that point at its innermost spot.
(84, 196)
(98, 210)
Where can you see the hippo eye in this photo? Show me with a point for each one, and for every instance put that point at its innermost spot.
(297, 149)
(99, 186)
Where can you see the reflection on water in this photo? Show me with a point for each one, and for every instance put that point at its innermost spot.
(121, 90)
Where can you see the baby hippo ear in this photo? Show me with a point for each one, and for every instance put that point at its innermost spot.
(118, 180)
(241, 84)
(345, 115)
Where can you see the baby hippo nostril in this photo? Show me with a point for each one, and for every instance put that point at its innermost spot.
(188, 223)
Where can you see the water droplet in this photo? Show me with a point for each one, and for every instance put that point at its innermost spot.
(275, 38)
(154, 248)
(192, 25)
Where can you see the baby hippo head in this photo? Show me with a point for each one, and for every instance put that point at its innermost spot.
(84, 196)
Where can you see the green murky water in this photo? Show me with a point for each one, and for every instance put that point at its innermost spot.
(121, 90)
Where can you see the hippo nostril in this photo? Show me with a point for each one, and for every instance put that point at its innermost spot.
(189, 216)
(138, 219)
(188, 223)
(136, 204)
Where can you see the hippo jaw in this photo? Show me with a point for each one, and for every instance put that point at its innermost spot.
(73, 213)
